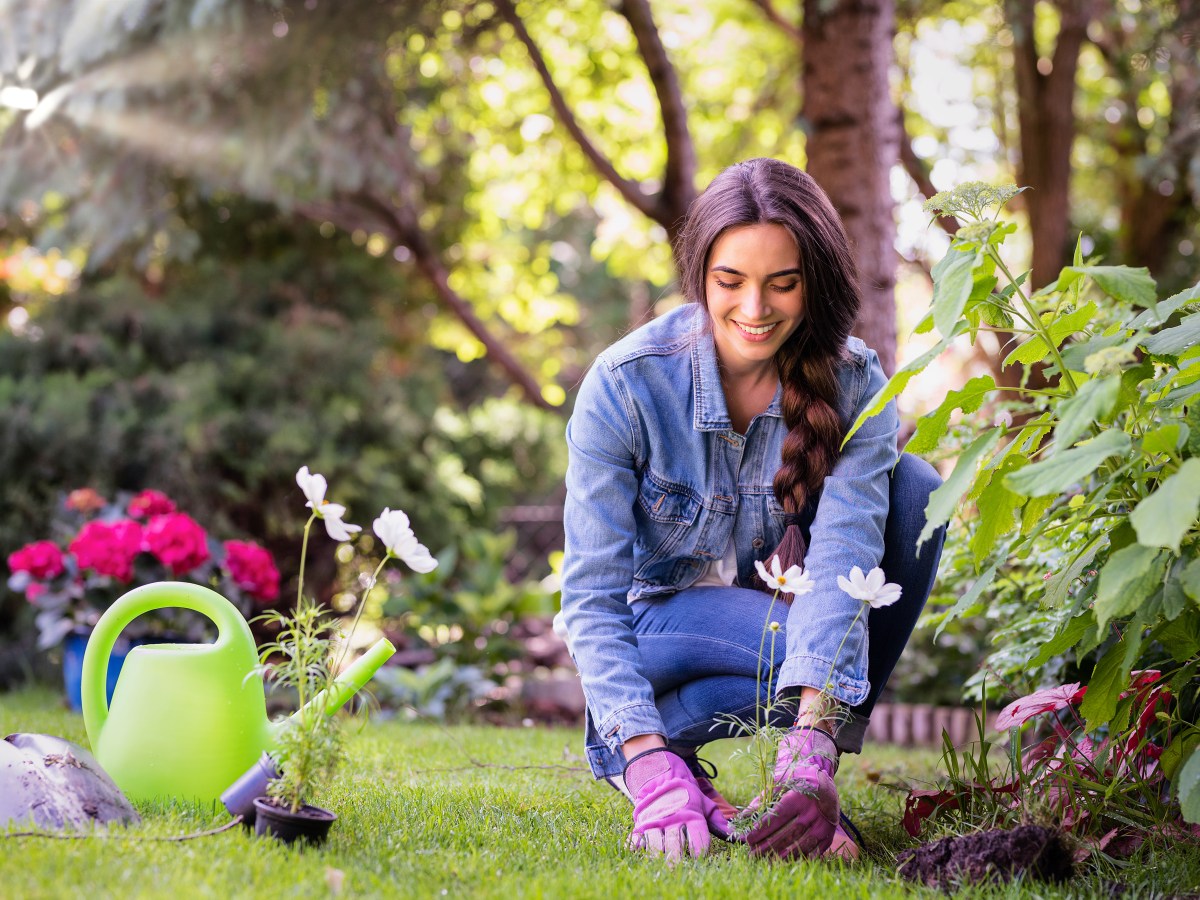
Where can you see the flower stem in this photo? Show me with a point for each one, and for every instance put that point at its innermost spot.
(358, 613)
(303, 557)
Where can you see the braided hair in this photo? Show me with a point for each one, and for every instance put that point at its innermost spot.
(769, 191)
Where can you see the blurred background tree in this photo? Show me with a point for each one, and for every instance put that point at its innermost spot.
(386, 239)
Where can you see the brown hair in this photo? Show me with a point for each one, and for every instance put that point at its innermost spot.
(769, 191)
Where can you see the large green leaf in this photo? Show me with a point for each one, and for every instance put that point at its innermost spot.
(953, 279)
(945, 499)
(1119, 282)
(997, 510)
(1069, 467)
(1093, 402)
(1035, 349)
(1163, 518)
(1188, 787)
(932, 428)
(1109, 678)
(1065, 639)
(898, 382)
(1060, 582)
(1128, 578)
(1173, 341)
(1180, 638)
(1160, 312)
(1189, 580)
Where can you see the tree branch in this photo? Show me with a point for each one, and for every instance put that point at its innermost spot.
(776, 17)
(679, 179)
(919, 172)
(630, 190)
(365, 211)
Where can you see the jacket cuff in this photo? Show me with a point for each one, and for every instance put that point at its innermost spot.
(630, 721)
(848, 688)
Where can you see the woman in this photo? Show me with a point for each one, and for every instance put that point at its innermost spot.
(703, 442)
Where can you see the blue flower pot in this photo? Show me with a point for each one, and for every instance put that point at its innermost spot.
(73, 646)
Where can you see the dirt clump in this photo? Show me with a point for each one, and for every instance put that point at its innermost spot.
(990, 856)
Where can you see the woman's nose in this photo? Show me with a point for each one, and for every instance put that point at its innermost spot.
(754, 305)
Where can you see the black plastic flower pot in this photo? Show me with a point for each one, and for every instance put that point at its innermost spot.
(239, 797)
(309, 824)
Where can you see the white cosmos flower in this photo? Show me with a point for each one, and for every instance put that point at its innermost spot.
(314, 487)
(393, 529)
(794, 581)
(872, 589)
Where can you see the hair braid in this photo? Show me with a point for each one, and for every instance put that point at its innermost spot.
(771, 191)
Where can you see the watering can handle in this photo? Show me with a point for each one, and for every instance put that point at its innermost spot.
(231, 627)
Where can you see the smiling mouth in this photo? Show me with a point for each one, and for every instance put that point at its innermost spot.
(756, 329)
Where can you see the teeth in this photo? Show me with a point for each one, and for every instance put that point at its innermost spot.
(760, 329)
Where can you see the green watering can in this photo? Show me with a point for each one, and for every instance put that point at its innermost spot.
(187, 720)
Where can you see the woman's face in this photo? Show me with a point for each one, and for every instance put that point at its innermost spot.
(753, 293)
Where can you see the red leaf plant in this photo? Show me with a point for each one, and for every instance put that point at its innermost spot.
(1091, 785)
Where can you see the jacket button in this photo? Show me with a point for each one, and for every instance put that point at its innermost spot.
(757, 543)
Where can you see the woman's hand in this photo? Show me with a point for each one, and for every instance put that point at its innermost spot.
(671, 815)
(802, 820)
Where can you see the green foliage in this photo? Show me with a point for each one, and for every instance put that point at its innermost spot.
(217, 390)
(465, 607)
(1098, 465)
(310, 746)
(442, 690)
(1106, 787)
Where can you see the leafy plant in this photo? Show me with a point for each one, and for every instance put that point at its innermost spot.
(1107, 787)
(466, 607)
(440, 690)
(1097, 478)
(310, 747)
(302, 657)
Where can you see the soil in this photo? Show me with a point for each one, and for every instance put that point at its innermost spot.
(992, 856)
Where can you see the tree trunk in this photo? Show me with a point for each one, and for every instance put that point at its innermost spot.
(1046, 115)
(1154, 207)
(853, 144)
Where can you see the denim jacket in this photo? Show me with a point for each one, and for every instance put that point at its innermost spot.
(657, 484)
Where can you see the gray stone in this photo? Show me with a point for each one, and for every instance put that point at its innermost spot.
(49, 782)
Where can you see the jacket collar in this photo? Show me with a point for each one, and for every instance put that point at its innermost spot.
(711, 412)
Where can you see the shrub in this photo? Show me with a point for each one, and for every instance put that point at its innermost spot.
(1096, 483)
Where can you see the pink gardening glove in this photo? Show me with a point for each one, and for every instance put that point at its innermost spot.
(670, 813)
(804, 818)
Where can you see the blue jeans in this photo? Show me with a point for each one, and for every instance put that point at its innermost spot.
(700, 646)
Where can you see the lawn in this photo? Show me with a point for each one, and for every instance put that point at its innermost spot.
(475, 811)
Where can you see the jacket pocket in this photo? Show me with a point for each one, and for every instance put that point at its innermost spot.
(665, 513)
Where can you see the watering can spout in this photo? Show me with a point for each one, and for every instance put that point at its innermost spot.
(347, 684)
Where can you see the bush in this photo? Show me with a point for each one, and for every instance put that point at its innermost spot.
(218, 390)
(1096, 484)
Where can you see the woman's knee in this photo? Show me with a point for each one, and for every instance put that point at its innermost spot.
(913, 480)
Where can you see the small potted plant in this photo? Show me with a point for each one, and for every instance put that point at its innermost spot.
(309, 750)
(305, 658)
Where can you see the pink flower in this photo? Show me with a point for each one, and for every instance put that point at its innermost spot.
(150, 503)
(108, 548)
(178, 541)
(252, 569)
(34, 590)
(85, 500)
(41, 559)
(1020, 711)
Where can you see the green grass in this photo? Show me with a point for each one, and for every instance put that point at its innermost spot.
(427, 811)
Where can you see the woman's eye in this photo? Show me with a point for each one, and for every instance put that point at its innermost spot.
(784, 288)
(724, 284)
